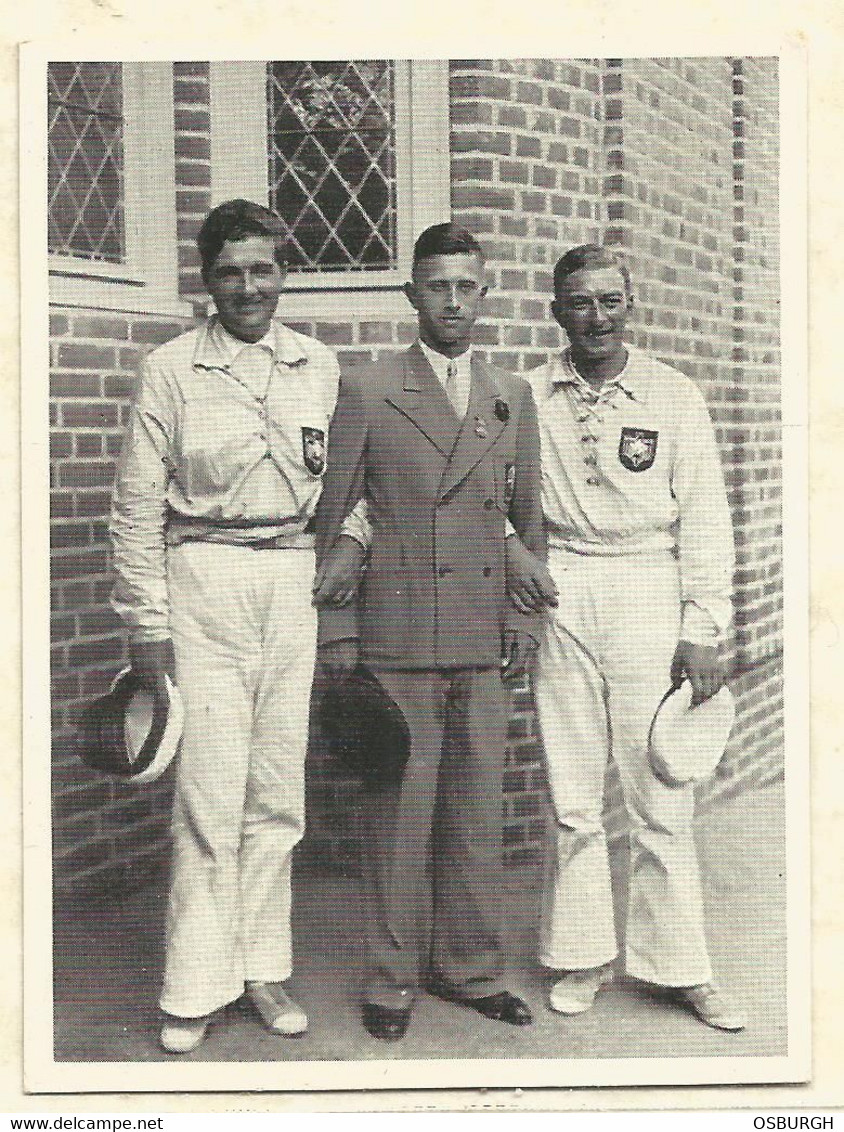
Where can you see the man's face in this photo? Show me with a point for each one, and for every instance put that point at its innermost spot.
(245, 282)
(592, 307)
(446, 293)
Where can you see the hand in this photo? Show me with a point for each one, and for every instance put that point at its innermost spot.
(519, 654)
(338, 578)
(529, 585)
(702, 665)
(151, 661)
(339, 658)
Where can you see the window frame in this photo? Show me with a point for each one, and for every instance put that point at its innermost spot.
(240, 168)
(148, 279)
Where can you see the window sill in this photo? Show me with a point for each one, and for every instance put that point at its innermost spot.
(76, 289)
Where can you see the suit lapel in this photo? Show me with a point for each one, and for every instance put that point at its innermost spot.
(423, 401)
(482, 426)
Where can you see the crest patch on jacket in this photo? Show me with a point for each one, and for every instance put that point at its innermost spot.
(637, 448)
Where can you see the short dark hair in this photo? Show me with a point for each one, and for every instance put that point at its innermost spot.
(446, 239)
(237, 220)
(589, 255)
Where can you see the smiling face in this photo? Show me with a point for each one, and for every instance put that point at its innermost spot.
(592, 307)
(447, 292)
(245, 282)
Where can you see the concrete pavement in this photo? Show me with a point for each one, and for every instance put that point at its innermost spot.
(108, 958)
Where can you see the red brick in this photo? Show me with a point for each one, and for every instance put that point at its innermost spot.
(196, 201)
(155, 333)
(532, 94)
(84, 355)
(472, 113)
(513, 172)
(75, 385)
(58, 325)
(93, 502)
(74, 565)
(61, 504)
(334, 334)
(69, 535)
(376, 332)
(481, 196)
(196, 121)
(88, 654)
(98, 622)
(479, 86)
(89, 473)
(61, 444)
(534, 202)
(482, 141)
(88, 444)
(472, 168)
(514, 117)
(89, 414)
(544, 176)
(98, 326)
(559, 99)
(192, 69)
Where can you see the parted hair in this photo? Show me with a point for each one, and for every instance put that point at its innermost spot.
(589, 255)
(237, 220)
(446, 239)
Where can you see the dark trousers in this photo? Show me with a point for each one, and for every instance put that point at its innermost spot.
(433, 861)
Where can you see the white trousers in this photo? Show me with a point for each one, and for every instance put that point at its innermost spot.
(603, 669)
(244, 632)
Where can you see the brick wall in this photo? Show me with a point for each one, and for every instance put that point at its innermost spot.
(101, 830)
(670, 160)
(192, 125)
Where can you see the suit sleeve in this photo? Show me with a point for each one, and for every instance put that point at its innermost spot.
(525, 513)
(343, 488)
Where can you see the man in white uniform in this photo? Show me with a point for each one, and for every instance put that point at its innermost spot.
(218, 481)
(641, 560)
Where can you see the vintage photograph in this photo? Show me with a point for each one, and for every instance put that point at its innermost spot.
(417, 699)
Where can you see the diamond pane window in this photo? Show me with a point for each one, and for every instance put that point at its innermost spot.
(85, 161)
(332, 162)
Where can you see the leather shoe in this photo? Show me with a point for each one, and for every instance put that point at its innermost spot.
(277, 1009)
(501, 1007)
(183, 1035)
(712, 1007)
(575, 992)
(385, 1022)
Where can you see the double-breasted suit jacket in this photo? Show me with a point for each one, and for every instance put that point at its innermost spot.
(439, 491)
(430, 616)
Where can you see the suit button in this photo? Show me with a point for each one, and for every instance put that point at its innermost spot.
(443, 570)
(487, 571)
(488, 504)
(593, 480)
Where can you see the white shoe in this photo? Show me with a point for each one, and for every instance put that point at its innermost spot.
(181, 1035)
(575, 992)
(712, 1007)
(278, 1011)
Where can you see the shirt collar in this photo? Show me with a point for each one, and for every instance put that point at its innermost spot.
(439, 362)
(629, 381)
(217, 348)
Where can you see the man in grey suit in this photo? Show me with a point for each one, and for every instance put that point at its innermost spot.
(445, 450)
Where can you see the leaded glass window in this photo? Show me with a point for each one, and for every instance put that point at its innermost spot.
(332, 162)
(85, 207)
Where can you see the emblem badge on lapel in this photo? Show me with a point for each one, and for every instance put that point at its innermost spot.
(637, 449)
(313, 450)
(502, 410)
(509, 482)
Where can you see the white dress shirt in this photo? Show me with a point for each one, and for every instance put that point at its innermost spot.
(635, 466)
